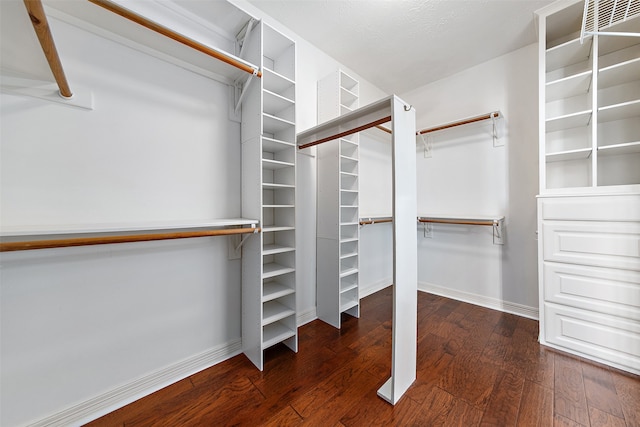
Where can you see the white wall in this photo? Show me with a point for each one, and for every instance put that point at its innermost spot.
(85, 330)
(466, 174)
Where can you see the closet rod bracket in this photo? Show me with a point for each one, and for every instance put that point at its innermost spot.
(427, 144)
(498, 231)
(497, 141)
(428, 230)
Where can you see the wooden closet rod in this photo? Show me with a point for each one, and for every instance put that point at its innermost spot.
(345, 133)
(487, 116)
(490, 222)
(41, 26)
(126, 13)
(365, 221)
(87, 241)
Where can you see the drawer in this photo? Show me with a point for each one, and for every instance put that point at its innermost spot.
(596, 335)
(600, 244)
(602, 290)
(592, 208)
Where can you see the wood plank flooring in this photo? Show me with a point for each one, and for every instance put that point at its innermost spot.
(476, 367)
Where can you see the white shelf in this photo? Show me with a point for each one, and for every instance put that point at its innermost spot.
(64, 229)
(273, 229)
(348, 287)
(278, 206)
(348, 272)
(620, 111)
(569, 86)
(350, 303)
(274, 102)
(568, 121)
(273, 269)
(275, 164)
(351, 239)
(619, 149)
(273, 124)
(582, 153)
(276, 249)
(275, 82)
(274, 290)
(274, 311)
(349, 173)
(271, 186)
(618, 74)
(349, 255)
(275, 145)
(569, 53)
(182, 18)
(274, 333)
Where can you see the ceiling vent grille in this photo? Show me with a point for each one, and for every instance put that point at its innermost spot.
(600, 15)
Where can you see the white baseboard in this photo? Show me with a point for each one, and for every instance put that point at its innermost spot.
(481, 300)
(372, 288)
(307, 316)
(98, 406)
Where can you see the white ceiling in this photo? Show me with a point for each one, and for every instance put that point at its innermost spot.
(400, 45)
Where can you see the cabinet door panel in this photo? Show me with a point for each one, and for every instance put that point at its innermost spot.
(594, 208)
(604, 290)
(613, 245)
(604, 337)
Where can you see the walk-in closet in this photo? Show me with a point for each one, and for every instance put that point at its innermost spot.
(276, 212)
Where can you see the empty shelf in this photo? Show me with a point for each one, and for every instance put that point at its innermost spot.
(273, 269)
(274, 290)
(272, 311)
(274, 333)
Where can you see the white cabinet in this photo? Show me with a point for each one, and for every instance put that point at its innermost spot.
(589, 103)
(268, 193)
(338, 212)
(589, 256)
(589, 203)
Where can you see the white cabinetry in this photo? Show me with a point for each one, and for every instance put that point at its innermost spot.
(589, 203)
(338, 212)
(268, 193)
(589, 103)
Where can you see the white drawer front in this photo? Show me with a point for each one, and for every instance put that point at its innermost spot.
(594, 208)
(608, 291)
(613, 245)
(597, 335)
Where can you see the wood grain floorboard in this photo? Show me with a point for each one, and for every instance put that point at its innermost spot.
(475, 367)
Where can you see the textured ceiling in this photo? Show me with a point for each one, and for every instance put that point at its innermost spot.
(400, 45)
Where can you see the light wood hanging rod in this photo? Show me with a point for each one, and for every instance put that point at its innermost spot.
(487, 116)
(103, 240)
(153, 26)
(489, 222)
(346, 133)
(41, 26)
(365, 221)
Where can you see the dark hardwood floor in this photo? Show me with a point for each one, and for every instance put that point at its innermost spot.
(476, 367)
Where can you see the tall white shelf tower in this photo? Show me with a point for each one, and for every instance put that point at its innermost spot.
(268, 136)
(338, 211)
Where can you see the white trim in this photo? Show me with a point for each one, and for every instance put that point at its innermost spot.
(481, 300)
(118, 397)
(306, 316)
(375, 287)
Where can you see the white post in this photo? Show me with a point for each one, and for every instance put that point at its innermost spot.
(405, 263)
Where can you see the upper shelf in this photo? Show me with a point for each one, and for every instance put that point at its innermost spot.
(213, 25)
(44, 230)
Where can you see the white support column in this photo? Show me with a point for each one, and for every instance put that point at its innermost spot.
(405, 264)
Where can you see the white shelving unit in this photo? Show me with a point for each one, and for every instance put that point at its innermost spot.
(268, 192)
(338, 212)
(589, 203)
(590, 93)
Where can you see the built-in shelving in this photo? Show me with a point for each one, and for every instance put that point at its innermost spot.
(590, 98)
(268, 191)
(588, 221)
(338, 193)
